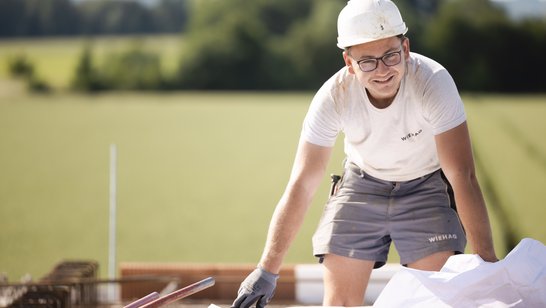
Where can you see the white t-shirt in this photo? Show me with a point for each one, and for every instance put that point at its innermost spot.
(395, 143)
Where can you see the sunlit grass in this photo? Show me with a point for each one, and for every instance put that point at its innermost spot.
(55, 59)
(199, 173)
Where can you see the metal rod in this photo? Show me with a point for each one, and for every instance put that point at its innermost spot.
(112, 220)
(181, 293)
(143, 300)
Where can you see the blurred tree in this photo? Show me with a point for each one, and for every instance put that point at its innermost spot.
(38, 17)
(280, 15)
(19, 66)
(283, 44)
(65, 17)
(170, 15)
(224, 48)
(536, 29)
(53, 16)
(516, 56)
(460, 38)
(309, 48)
(120, 17)
(11, 17)
(38, 85)
(134, 69)
(228, 47)
(484, 50)
(86, 77)
(417, 15)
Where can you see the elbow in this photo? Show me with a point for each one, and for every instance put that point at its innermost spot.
(462, 178)
(299, 192)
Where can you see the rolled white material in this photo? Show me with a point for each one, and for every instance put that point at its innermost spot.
(519, 280)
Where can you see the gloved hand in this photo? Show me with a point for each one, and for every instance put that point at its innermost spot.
(258, 287)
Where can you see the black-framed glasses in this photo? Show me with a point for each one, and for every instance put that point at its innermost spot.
(389, 59)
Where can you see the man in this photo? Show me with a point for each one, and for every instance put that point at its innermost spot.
(409, 161)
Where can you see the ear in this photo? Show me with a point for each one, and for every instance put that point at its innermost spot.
(406, 48)
(348, 62)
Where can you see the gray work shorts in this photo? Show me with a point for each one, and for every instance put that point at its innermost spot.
(365, 214)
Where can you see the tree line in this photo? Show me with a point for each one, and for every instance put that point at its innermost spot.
(291, 45)
(89, 17)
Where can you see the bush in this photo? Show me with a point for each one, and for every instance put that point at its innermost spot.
(134, 69)
(86, 77)
(228, 54)
(310, 47)
(35, 84)
(484, 50)
(20, 67)
(281, 44)
(232, 48)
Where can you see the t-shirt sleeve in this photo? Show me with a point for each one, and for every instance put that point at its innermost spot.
(443, 105)
(322, 123)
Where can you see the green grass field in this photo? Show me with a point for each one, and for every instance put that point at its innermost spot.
(198, 173)
(55, 59)
(508, 141)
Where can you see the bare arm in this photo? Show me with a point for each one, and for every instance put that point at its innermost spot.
(455, 154)
(308, 170)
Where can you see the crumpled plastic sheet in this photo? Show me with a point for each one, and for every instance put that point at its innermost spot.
(519, 280)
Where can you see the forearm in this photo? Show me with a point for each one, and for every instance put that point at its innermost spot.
(285, 224)
(309, 167)
(455, 154)
(473, 213)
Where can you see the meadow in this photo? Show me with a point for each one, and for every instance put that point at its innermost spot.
(198, 176)
(199, 173)
(55, 59)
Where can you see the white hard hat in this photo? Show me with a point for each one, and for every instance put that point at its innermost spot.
(363, 21)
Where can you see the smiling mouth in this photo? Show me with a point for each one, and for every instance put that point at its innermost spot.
(384, 80)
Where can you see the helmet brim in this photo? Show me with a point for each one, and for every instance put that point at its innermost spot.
(357, 40)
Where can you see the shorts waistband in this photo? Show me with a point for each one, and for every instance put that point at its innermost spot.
(355, 168)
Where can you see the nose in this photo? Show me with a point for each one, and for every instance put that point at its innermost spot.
(381, 67)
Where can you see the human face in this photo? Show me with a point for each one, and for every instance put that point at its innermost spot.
(382, 83)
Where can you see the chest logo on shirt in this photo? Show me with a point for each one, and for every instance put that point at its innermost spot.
(411, 135)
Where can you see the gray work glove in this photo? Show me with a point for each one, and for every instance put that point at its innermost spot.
(258, 288)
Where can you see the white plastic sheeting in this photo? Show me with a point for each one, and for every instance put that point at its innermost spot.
(519, 280)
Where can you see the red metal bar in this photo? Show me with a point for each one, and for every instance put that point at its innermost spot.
(181, 293)
(143, 300)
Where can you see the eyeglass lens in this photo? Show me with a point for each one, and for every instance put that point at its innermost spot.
(389, 59)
